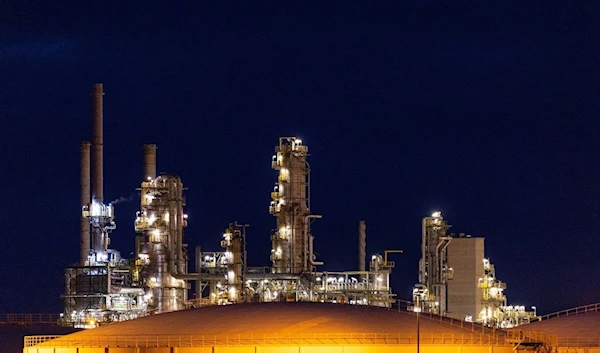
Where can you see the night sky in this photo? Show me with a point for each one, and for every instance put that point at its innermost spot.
(488, 113)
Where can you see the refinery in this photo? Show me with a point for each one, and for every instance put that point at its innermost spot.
(456, 279)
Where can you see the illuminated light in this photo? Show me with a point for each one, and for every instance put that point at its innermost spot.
(95, 209)
(298, 141)
(149, 178)
(149, 197)
(151, 219)
(341, 279)
(380, 279)
(166, 217)
(206, 258)
(156, 233)
(153, 279)
(436, 214)
(185, 216)
(318, 279)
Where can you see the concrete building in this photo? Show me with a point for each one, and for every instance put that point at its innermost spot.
(465, 257)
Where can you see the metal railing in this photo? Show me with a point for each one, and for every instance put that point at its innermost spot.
(29, 319)
(264, 339)
(573, 311)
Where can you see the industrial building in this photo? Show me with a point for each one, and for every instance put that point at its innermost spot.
(291, 305)
(458, 281)
(104, 287)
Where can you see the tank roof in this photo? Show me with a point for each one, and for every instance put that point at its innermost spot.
(280, 318)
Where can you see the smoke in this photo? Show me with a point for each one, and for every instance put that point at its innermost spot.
(122, 199)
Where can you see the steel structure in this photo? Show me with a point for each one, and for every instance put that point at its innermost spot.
(100, 288)
(429, 295)
(292, 240)
(161, 255)
(293, 275)
(495, 312)
(103, 287)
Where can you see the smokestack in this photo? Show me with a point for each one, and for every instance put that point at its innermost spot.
(84, 242)
(149, 162)
(97, 140)
(362, 245)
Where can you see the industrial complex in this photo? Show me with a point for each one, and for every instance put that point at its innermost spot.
(223, 304)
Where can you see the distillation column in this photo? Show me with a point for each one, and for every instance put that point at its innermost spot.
(430, 294)
(234, 242)
(161, 250)
(292, 241)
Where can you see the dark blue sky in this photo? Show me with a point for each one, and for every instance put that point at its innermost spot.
(488, 113)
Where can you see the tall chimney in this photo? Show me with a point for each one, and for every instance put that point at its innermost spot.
(98, 176)
(84, 242)
(149, 162)
(362, 245)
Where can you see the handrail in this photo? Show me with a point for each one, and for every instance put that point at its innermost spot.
(263, 339)
(513, 337)
(29, 318)
(572, 311)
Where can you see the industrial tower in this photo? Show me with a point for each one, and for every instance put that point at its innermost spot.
(292, 240)
(99, 289)
(161, 263)
(429, 295)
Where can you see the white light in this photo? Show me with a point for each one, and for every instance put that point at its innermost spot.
(95, 209)
(341, 279)
(149, 178)
(318, 279)
(436, 214)
(149, 197)
(298, 141)
(185, 216)
(151, 219)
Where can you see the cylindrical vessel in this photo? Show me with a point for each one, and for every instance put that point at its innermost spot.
(362, 245)
(97, 137)
(149, 162)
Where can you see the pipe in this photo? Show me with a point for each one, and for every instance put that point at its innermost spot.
(149, 162)
(172, 207)
(179, 225)
(84, 240)
(311, 256)
(362, 245)
(97, 144)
